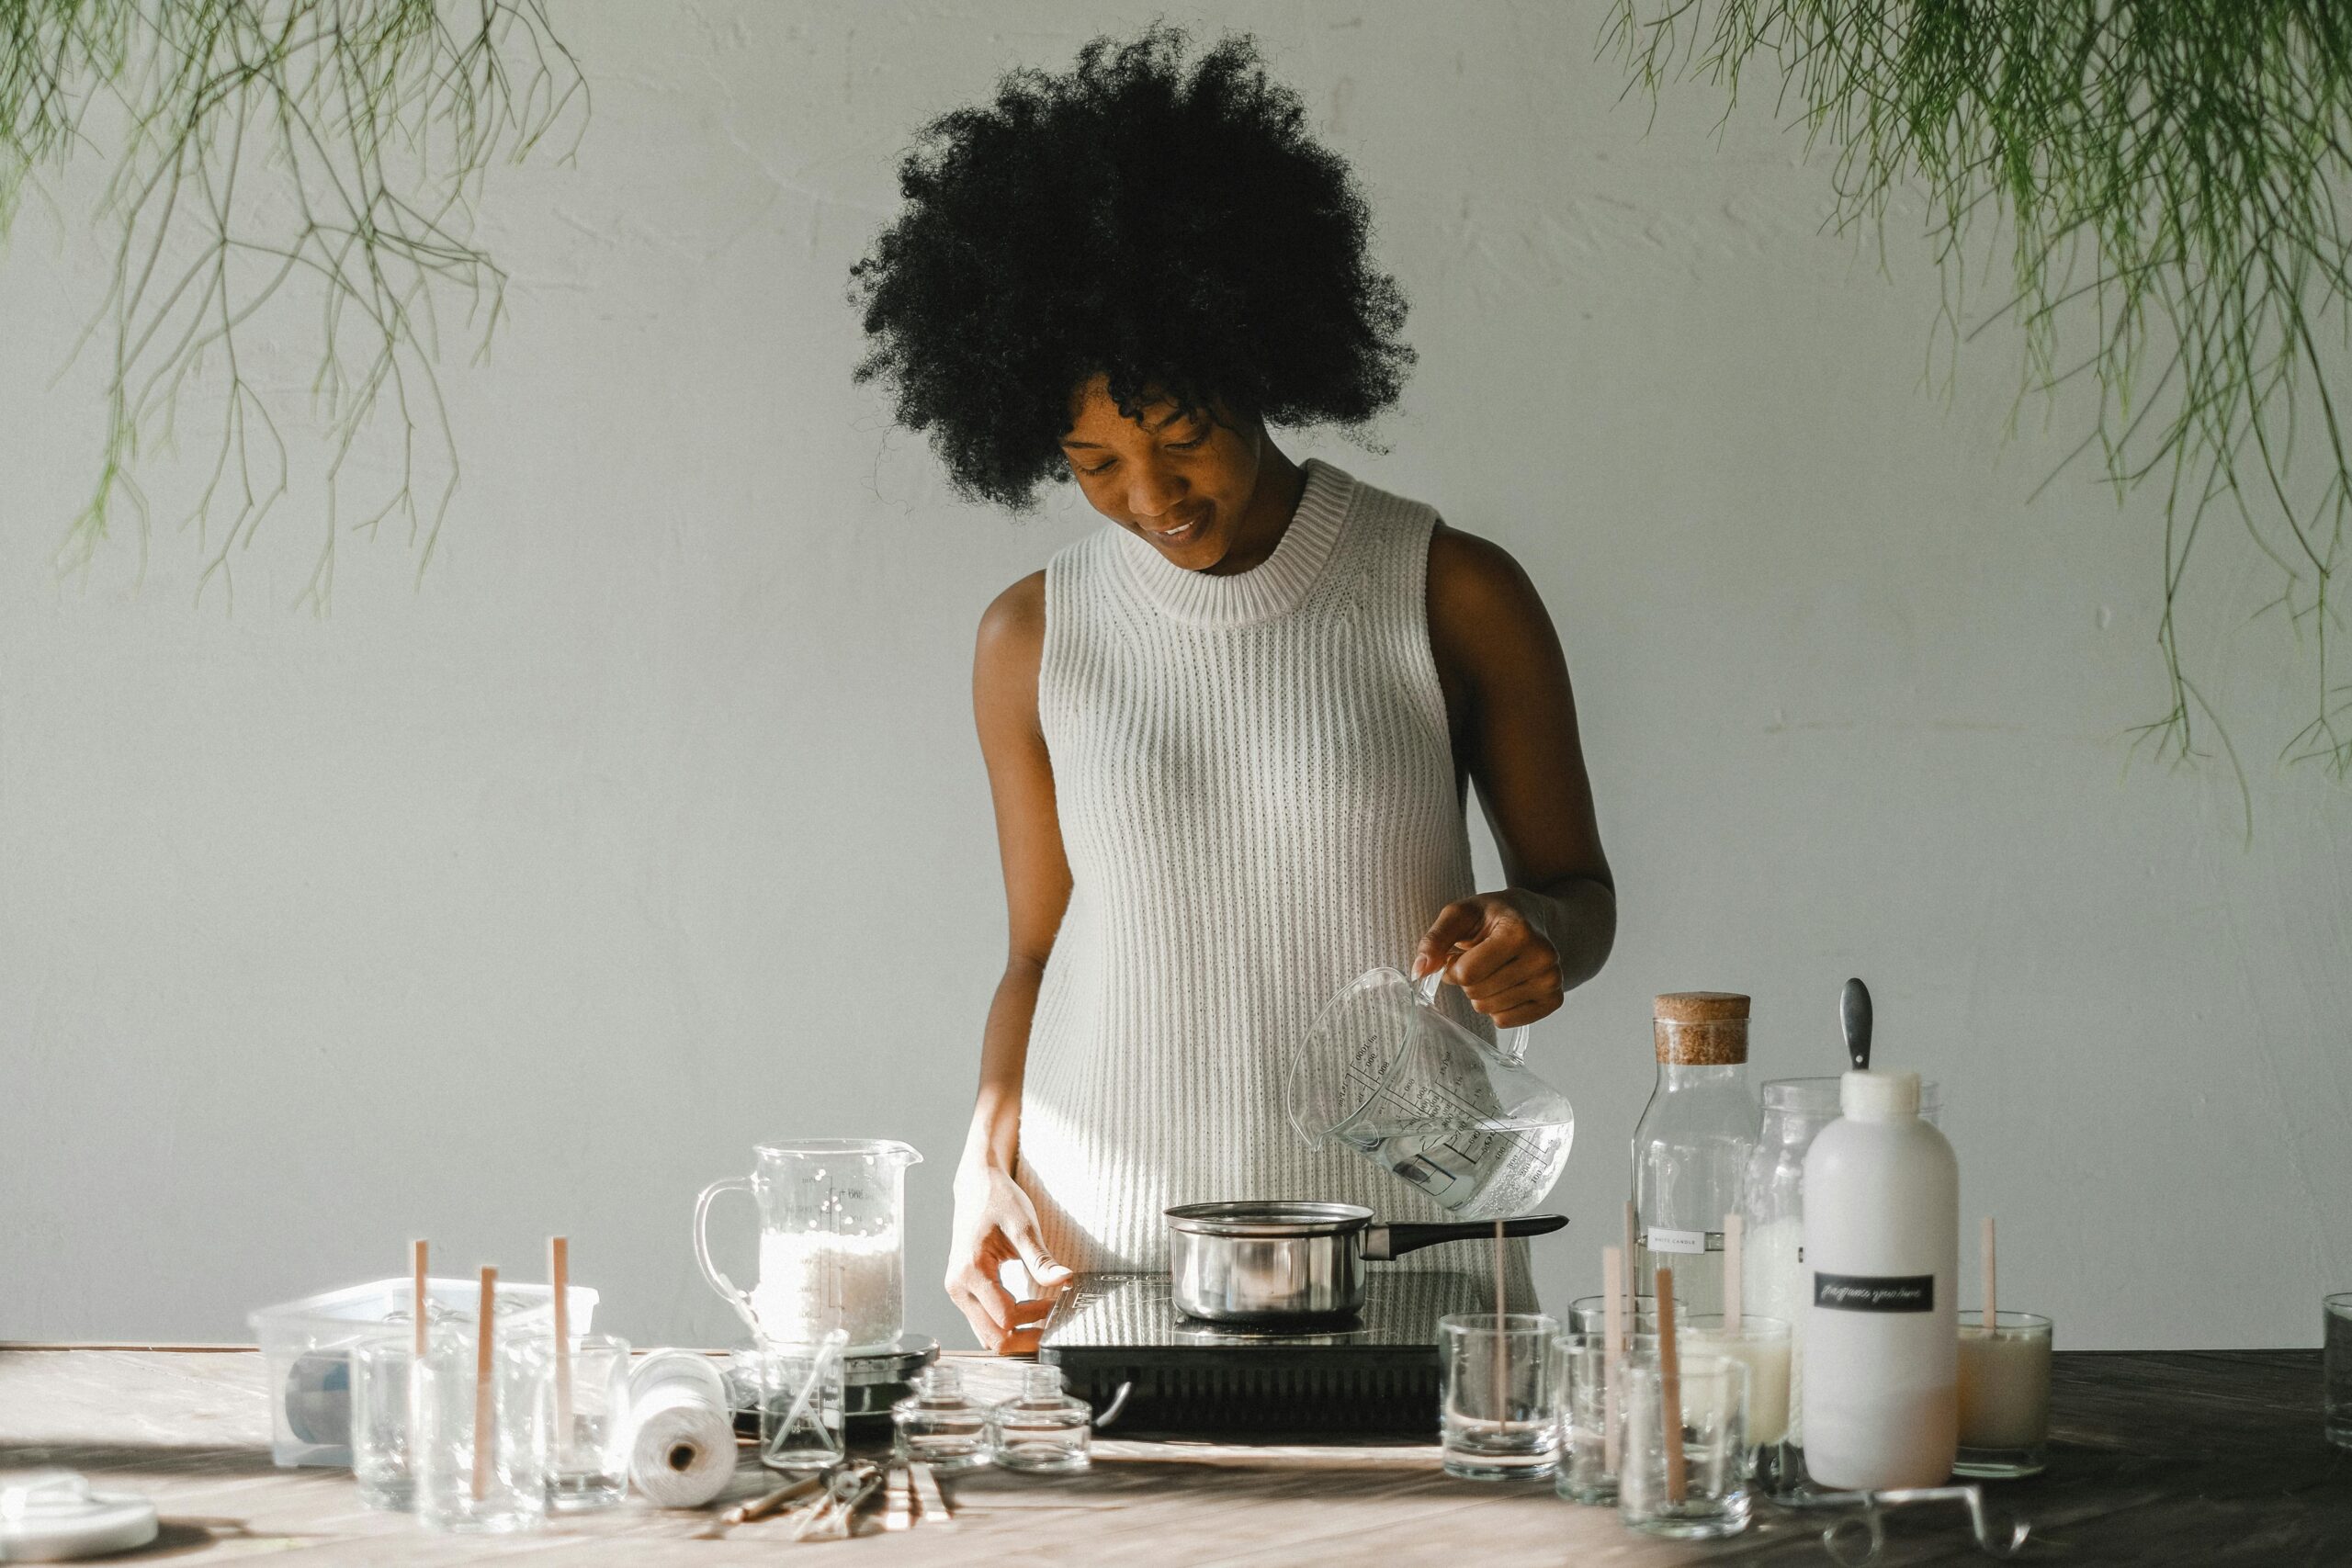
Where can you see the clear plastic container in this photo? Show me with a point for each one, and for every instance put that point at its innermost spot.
(306, 1350)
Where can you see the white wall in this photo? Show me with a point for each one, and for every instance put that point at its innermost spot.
(651, 823)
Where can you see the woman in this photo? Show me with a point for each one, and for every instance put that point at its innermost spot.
(1228, 736)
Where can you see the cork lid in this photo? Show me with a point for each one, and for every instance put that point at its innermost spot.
(1700, 1029)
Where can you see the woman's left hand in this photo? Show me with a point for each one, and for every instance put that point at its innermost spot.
(1489, 945)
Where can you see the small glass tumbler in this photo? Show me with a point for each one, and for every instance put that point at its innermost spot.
(466, 1485)
(1589, 1315)
(2336, 1360)
(801, 1400)
(1709, 1497)
(940, 1425)
(590, 1466)
(2004, 1395)
(1498, 1419)
(1042, 1430)
(1761, 1344)
(383, 1391)
(1586, 1386)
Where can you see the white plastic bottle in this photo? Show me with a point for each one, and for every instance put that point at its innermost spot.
(1882, 1258)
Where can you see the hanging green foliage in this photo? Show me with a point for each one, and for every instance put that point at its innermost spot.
(321, 156)
(2165, 174)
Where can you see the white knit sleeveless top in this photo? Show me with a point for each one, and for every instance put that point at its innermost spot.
(1257, 796)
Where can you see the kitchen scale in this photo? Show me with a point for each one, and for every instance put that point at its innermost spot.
(1149, 1371)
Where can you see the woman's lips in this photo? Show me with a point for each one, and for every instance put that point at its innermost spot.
(1184, 533)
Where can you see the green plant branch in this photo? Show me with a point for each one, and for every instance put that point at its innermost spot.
(2166, 174)
(338, 147)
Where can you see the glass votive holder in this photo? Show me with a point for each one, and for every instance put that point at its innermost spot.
(801, 1404)
(1044, 1430)
(383, 1394)
(1761, 1344)
(940, 1425)
(1589, 1315)
(2335, 1368)
(1586, 1386)
(1498, 1419)
(2004, 1395)
(589, 1465)
(1707, 1496)
(481, 1463)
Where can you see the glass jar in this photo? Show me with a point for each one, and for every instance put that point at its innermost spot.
(1042, 1430)
(1693, 1143)
(940, 1425)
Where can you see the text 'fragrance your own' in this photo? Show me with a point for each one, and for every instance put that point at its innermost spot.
(1881, 1257)
(1693, 1142)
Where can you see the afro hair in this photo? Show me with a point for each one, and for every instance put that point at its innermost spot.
(1165, 224)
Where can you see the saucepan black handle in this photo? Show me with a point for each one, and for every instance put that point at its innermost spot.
(1382, 1242)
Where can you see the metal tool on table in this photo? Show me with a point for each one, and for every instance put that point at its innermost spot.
(1385, 1071)
(834, 1516)
(1867, 1526)
(1274, 1265)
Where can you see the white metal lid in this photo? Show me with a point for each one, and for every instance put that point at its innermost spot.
(50, 1516)
(1879, 1097)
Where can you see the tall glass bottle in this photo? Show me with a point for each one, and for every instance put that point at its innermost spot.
(1693, 1143)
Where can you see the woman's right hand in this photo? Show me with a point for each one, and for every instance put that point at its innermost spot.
(996, 1224)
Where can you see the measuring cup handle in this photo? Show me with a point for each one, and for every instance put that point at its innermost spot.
(1514, 1045)
(710, 1271)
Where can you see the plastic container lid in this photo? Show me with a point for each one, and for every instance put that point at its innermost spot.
(51, 1516)
(1879, 1097)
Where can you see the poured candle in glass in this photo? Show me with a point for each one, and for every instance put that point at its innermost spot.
(2004, 1394)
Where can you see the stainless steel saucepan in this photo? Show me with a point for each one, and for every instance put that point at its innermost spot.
(1272, 1263)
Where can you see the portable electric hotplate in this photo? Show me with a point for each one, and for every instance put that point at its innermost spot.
(1150, 1372)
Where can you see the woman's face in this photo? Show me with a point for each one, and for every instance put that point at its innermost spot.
(1179, 482)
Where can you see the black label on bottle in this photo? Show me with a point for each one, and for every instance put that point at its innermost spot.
(1875, 1292)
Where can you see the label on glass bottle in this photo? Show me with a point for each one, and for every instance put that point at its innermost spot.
(1875, 1292)
(1660, 1239)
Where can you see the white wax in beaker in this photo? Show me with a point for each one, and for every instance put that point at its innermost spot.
(811, 1281)
(1775, 1284)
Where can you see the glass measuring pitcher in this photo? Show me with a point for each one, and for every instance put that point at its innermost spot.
(832, 1241)
(1386, 1074)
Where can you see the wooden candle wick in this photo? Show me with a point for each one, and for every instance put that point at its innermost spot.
(417, 1292)
(1735, 1235)
(1502, 1340)
(1632, 1265)
(1669, 1389)
(1992, 1318)
(485, 1413)
(1612, 1346)
(559, 1280)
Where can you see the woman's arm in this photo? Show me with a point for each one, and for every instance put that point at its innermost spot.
(1513, 718)
(995, 1223)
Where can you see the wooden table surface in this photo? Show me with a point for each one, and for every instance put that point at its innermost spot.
(2193, 1457)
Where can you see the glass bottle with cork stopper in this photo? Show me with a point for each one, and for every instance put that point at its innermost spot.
(1694, 1142)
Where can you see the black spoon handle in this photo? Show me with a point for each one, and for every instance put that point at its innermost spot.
(1854, 1009)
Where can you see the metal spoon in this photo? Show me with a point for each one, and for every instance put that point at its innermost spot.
(1854, 1011)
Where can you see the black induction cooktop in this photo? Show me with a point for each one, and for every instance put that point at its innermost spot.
(1150, 1372)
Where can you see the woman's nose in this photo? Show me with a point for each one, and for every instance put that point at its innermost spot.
(1151, 495)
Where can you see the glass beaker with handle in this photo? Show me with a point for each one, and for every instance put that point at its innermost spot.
(1384, 1072)
(832, 1241)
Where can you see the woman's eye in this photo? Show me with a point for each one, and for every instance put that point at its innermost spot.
(1098, 469)
(1188, 446)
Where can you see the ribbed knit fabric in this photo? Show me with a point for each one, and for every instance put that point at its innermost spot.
(1257, 795)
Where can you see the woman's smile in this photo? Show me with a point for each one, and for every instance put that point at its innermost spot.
(1168, 535)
